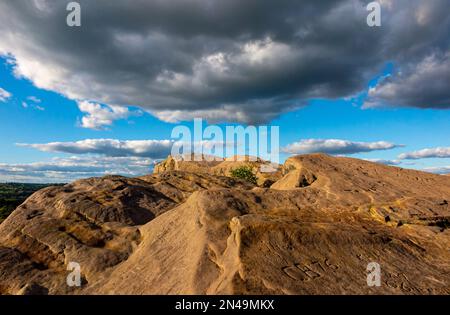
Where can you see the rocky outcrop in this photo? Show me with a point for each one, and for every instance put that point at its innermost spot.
(182, 232)
(266, 172)
(94, 222)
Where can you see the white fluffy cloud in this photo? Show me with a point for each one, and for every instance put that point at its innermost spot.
(444, 170)
(4, 95)
(34, 99)
(336, 146)
(155, 149)
(100, 116)
(384, 161)
(61, 170)
(439, 152)
(33, 106)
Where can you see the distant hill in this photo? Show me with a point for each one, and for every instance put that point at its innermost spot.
(14, 194)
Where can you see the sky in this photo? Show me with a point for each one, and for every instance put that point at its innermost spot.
(103, 98)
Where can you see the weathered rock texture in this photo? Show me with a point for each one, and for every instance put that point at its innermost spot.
(266, 172)
(188, 230)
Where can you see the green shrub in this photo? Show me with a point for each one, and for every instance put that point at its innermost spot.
(245, 173)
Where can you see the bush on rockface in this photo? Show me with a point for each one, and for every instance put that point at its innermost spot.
(245, 173)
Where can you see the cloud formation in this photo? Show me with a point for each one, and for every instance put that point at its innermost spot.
(34, 99)
(99, 116)
(443, 170)
(385, 162)
(336, 146)
(62, 170)
(4, 95)
(439, 152)
(154, 149)
(232, 60)
(422, 85)
(33, 106)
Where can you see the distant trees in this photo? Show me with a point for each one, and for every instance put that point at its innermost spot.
(14, 194)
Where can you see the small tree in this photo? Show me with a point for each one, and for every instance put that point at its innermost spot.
(245, 173)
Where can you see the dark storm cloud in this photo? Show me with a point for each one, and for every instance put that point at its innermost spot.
(422, 85)
(223, 60)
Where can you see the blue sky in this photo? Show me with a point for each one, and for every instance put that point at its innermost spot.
(103, 97)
